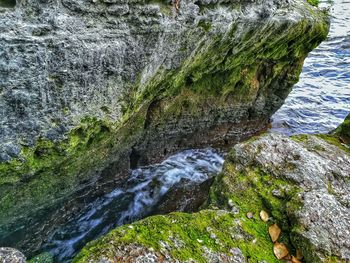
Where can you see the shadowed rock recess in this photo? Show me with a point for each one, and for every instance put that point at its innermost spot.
(91, 88)
(301, 182)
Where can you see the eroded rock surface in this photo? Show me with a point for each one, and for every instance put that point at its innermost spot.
(87, 87)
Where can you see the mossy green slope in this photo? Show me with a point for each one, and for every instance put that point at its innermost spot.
(186, 237)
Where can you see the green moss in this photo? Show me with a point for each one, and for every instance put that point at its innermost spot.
(50, 171)
(300, 138)
(343, 131)
(313, 2)
(334, 140)
(206, 25)
(7, 3)
(42, 258)
(212, 230)
(251, 190)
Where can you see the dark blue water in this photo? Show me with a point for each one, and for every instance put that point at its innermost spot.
(321, 99)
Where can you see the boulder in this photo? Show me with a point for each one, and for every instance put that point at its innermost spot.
(302, 182)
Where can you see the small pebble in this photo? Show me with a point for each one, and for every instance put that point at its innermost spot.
(250, 215)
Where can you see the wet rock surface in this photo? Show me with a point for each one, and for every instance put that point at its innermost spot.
(185, 196)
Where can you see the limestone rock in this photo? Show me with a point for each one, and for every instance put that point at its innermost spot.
(11, 255)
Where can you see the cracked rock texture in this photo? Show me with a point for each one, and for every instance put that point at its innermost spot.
(89, 87)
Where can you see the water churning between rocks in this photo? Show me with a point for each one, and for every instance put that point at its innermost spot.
(320, 100)
(135, 199)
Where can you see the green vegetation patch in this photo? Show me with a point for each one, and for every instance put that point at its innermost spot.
(343, 131)
(7, 3)
(313, 2)
(251, 190)
(42, 258)
(187, 236)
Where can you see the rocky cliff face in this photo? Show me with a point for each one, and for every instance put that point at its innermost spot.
(90, 88)
(299, 184)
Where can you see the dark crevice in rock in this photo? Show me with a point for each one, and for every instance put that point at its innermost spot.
(134, 158)
(7, 3)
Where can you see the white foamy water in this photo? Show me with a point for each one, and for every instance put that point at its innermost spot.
(320, 100)
(134, 200)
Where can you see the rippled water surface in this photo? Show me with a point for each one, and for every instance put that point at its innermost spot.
(321, 99)
(134, 200)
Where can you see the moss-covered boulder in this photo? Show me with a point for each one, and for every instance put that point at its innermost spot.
(89, 89)
(302, 182)
(206, 236)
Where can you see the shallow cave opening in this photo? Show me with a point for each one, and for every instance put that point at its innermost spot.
(8, 3)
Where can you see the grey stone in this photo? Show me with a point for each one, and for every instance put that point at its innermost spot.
(11, 255)
(63, 60)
